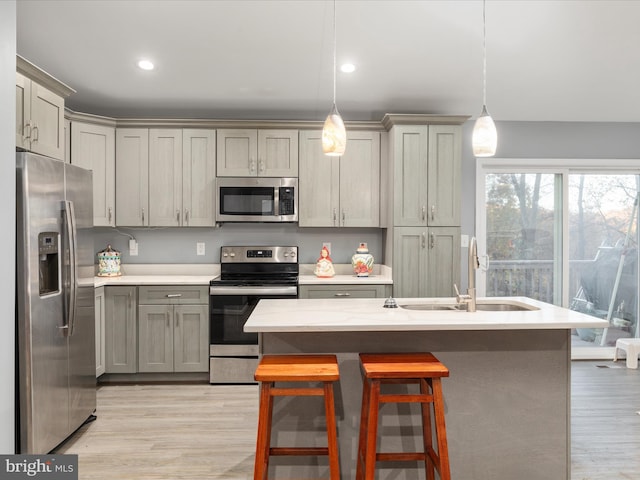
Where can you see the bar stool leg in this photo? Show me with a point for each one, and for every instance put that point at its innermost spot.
(364, 410)
(427, 433)
(372, 430)
(441, 432)
(332, 431)
(263, 442)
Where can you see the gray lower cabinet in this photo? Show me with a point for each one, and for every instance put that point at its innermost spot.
(120, 329)
(173, 329)
(344, 291)
(426, 261)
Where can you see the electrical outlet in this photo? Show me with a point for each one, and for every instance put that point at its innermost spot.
(328, 245)
(133, 247)
(200, 248)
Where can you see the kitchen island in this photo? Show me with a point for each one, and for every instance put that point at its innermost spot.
(507, 399)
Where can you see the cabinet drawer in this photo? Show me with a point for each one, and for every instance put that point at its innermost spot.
(173, 294)
(344, 291)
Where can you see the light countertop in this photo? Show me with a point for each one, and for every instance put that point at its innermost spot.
(381, 276)
(171, 274)
(368, 314)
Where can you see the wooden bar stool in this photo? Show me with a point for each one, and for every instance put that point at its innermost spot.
(403, 368)
(295, 368)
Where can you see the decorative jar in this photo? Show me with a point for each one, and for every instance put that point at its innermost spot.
(109, 262)
(362, 261)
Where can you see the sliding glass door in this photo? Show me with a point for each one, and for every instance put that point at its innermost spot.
(564, 233)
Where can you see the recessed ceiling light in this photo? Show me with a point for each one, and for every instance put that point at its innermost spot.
(348, 68)
(146, 65)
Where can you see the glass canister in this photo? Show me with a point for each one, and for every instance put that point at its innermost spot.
(109, 262)
(362, 261)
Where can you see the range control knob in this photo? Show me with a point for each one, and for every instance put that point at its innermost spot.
(232, 254)
(292, 253)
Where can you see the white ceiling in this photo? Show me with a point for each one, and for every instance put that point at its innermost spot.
(558, 60)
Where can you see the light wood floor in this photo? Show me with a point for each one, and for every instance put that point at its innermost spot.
(208, 432)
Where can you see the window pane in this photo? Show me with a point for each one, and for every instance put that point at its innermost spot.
(522, 216)
(603, 268)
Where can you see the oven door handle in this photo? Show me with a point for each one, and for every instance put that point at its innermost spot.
(262, 291)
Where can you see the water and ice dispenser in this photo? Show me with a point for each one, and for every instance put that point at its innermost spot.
(49, 255)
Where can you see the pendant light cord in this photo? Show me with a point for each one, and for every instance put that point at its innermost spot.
(334, 52)
(484, 54)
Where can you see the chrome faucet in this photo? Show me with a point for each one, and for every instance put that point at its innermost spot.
(469, 298)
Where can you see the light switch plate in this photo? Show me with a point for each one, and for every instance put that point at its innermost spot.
(200, 249)
(464, 241)
(133, 247)
(328, 245)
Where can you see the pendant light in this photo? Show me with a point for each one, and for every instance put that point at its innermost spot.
(334, 135)
(485, 136)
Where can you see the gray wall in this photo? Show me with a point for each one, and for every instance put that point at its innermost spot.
(7, 218)
(178, 245)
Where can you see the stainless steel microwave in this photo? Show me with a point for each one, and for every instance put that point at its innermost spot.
(256, 199)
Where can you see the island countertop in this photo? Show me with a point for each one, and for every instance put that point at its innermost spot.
(368, 315)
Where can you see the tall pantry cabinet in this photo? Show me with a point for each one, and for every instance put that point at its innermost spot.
(424, 216)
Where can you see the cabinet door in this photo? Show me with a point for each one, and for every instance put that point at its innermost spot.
(191, 338)
(23, 111)
(155, 338)
(360, 181)
(443, 261)
(444, 175)
(120, 330)
(237, 152)
(47, 120)
(410, 262)
(165, 177)
(132, 177)
(100, 312)
(319, 183)
(198, 177)
(93, 148)
(410, 175)
(278, 153)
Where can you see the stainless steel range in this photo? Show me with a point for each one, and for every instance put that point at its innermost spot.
(247, 275)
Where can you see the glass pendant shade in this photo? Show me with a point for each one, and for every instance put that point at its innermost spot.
(334, 135)
(485, 136)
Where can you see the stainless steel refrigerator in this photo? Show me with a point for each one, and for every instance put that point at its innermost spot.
(55, 317)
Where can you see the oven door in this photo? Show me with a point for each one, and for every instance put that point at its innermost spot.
(230, 307)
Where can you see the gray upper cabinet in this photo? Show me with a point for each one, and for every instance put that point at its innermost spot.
(165, 177)
(39, 118)
(262, 153)
(93, 148)
(340, 191)
(132, 177)
(427, 162)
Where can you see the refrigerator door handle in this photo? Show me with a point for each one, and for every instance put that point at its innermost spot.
(71, 296)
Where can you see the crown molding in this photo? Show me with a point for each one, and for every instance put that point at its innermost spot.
(391, 119)
(29, 70)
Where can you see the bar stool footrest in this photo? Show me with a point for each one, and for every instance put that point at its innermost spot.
(299, 451)
(400, 456)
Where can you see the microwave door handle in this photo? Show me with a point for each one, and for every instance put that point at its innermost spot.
(276, 200)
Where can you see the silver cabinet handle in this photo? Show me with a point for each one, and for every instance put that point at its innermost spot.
(143, 216)
(186, 216)
(261, 163)
(252, 165)
(424, 239)
(177, 320)
(334, 217)
(343, 217)
(433, 212)
(345, 294)
(35, 133)
(178, 216)
(174, 295)
(433, 240)
(110, 212)
(166, 314)
(26, 131)
(424, 212)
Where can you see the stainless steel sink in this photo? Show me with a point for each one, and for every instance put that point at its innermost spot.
(481, 307)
